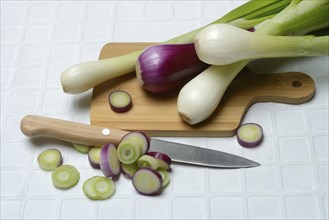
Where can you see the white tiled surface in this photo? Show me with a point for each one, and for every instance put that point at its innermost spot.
(41, 38)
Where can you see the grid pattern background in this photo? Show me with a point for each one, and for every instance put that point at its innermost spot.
(39, 39)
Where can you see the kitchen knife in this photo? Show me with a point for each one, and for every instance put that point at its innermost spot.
(75, 132)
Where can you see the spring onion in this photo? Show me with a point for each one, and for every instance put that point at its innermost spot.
(160, 68)
(199, 98)
(300, 16)
(65, 177)
(222, 44)
(308, 22)
(50, 159)
(82, 77)
(98, 188)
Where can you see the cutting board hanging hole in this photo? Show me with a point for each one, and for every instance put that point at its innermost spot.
(297, 84)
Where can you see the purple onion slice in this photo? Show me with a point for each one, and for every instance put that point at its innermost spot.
(129, 151)
(164, 159)
(129, 169)
(139, 137)
(94, 157)
(165, 177)
(109, 162)
(147, 181)
(250, 135)
(148, 161)
(120, 101)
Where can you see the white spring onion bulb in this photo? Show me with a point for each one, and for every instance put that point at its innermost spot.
(83, 76)
(199, 98)
(221, 44)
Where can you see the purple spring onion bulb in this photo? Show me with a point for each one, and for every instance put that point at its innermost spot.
(163, 67)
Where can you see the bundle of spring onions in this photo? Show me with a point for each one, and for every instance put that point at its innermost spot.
(213, 55)
(84, 76)
(199, 98)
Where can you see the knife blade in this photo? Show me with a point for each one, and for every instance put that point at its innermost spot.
(75, 132)
(183, 153)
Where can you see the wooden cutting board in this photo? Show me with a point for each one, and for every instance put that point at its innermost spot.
(157, 114)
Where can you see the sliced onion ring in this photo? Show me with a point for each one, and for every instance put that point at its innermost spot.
(140, 137)
(165, 177)
(148, 161)
(250, 135)
(94, 157)
(65, 176)
(129, 169)
(147, 181)
(164, 159)
(98, 188)
(81, 148)
(50, 159)
(120, 101)
(129, 151)
(109, 162)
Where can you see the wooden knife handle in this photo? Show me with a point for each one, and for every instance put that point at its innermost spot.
(75, 132)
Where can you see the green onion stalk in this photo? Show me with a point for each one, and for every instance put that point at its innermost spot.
(199, 98)
(82, 77)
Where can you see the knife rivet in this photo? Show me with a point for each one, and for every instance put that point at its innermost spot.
(106, 131)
